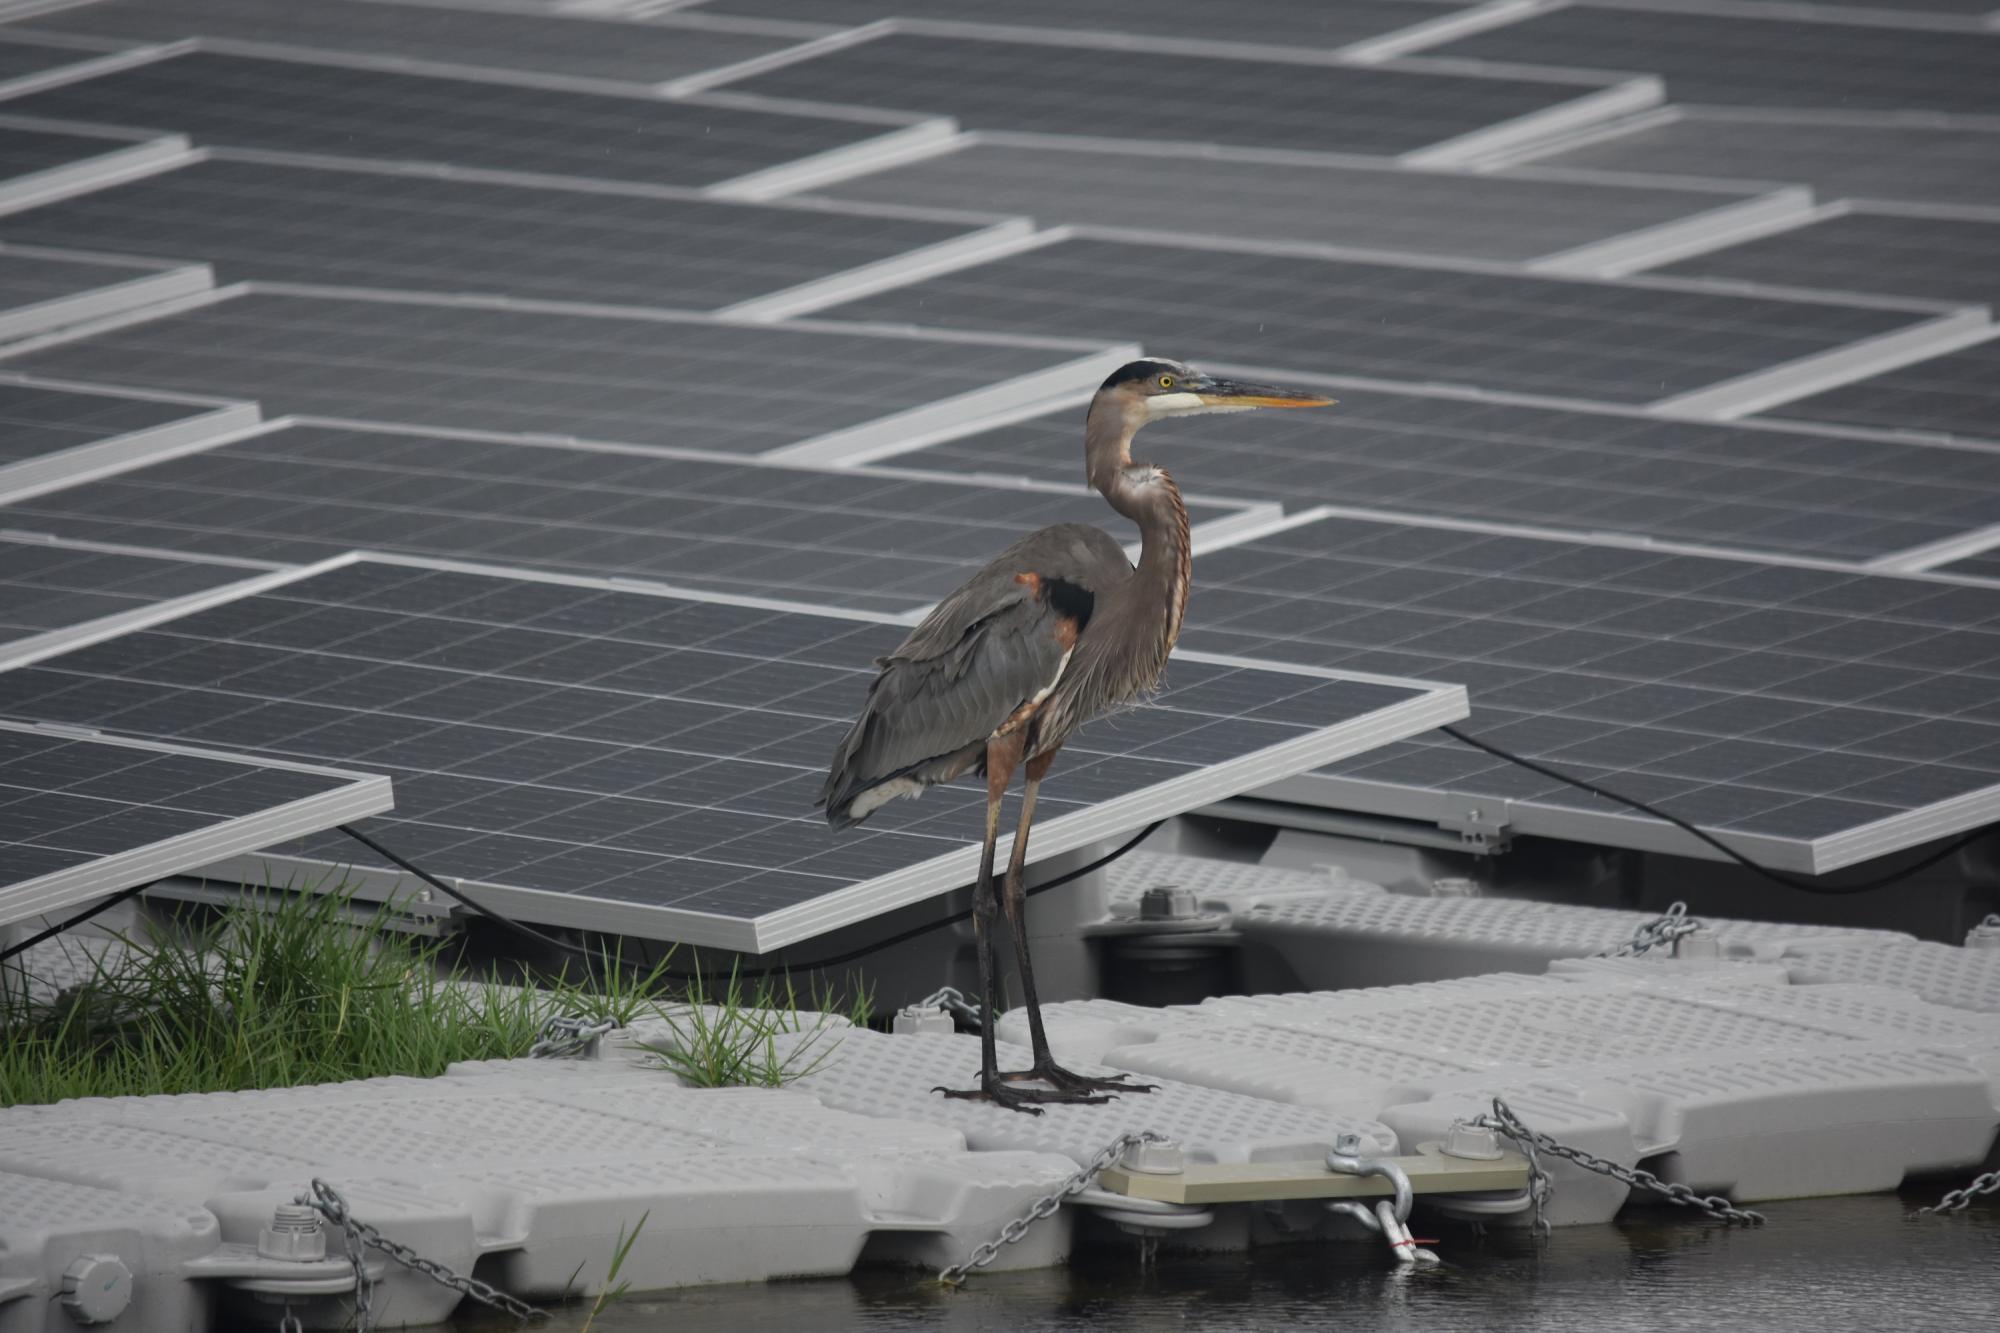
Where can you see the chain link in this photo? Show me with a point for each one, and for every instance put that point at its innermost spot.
(1662, 931)
(1957, 1199)
(328, 1203)
(290, 1322)
(952, 999)
(1045, 1206)
(567, 1035)
(1540, 1186)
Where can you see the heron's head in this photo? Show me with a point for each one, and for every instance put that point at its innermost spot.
(1153, 388)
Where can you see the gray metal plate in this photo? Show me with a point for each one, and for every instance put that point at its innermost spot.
(82, 817)
(473, 36)
(1923, 164)
(648, 763)
(259, 221)
(1740, 61)
(1889, 254)
(1185, 99)
(1747, 486)
(1610, 341)
(48, 586)
(692, 383)
(1956, 394)
(293, 106)
(1369, 207)
(306, 493)
(1814, 718)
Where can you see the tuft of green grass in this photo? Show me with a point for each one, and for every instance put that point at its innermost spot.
(730, 1037)
(289, 988)
(613, 1289)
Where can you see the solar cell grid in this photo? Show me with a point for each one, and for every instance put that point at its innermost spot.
(1190, 99)
(261, 221)
(1595, 340)
(1890, 254)
(1379, 207)
(49, 586)
(1274, 21)
(23, 151)
(36, 420)
(1954, 394)
(1806, 492)
(294, 106)
(1755, 61)
(81, 817)
(654, 758)
(29, 279)
(306, 493)
(20, 59)
(1819, 717)
(572, 45)
(687, 383)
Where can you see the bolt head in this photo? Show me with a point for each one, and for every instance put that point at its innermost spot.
(1476, 1142)
(1165, 1158)
(96, 1288)
(1168, 902)
(917, 1019)
(294, 1236)
(1348, 1145)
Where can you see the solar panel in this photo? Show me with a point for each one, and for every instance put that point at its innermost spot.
(48, 586)
(1620, 342)
(1360, 203)
(1847, 495)
(39, 292)
(1984, 565)
(682, 381)
(1744, 61)
(1273, 21)
(30, 151)
(22, 59)
(81, 817)
(1811, 717)
(1919, 164)
(1185, 99)
(643, 763)
(572, 45)
(307, 224)
(296, 106)
(308, 492)
(1868, 250)
(1955, 394)
(50, 432)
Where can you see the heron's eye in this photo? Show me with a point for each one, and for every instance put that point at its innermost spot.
(1166, 381)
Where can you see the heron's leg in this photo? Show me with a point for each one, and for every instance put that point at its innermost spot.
(1045, 1068)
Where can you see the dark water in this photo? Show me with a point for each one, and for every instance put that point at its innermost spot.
(1825, 1264)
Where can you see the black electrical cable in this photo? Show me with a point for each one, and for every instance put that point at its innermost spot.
(1802, 885)
(75, 921)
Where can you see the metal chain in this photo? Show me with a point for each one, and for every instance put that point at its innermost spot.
(290, 1322)
(327, 1201)
(567, 1035)
(953, 999)
(1957, 1199)
(1045, 1206)
(1506, 1122)
(1662, 931)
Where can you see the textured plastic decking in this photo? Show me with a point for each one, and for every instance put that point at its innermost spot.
(1941, 973)
(531, 1166)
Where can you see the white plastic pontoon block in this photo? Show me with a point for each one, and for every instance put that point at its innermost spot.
(1942, 973)
(532, 1166)
(1221, 886)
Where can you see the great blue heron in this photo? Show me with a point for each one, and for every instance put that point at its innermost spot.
(1057, 630)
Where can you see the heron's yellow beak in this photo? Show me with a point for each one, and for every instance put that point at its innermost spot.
(1232, 393)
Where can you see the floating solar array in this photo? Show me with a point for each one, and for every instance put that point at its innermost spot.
(1362, 203)
(1055, 87)
(48, 586)
(1869, 250)
(1957, 394)
(296, 106)
(54, 432)
(607, 758)
(1616, 342)
(681, 381)
(1838, 158)
(1743, 61)
(84, 816)
(305, 493)
(448, 36)
(40, 291)
(1752, 486)
(1812, 717)
(306, 224)
(31, 155)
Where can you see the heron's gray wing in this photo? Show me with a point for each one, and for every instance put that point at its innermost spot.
(996, 644)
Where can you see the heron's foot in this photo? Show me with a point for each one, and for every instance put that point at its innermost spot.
(1049, 1072)
(1004, 1090)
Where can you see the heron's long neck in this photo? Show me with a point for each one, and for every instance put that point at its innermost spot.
(1149, 497)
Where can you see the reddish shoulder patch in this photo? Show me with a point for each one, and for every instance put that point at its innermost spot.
(1032, 582)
